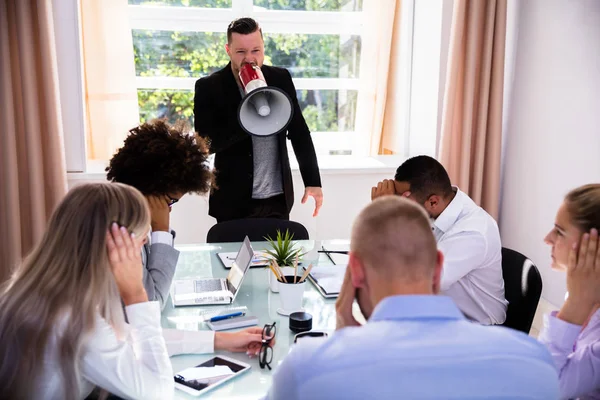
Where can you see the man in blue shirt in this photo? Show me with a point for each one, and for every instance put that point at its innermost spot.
(415, 345)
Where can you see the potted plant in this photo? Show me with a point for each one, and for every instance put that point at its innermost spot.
(284, 255)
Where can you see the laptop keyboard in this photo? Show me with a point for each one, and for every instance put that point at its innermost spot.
(210, 300)
(208, 285)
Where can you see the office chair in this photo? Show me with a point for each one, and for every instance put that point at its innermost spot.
(255, 228)
(522, 288)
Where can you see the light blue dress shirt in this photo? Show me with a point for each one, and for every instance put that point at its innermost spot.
(417, 347)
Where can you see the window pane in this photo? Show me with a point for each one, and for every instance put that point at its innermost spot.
(184, 3)
(171, 104)
(328, 110)
(314, 56)
(180, 54)
(196, 54)
(323, 110)
(310, 5)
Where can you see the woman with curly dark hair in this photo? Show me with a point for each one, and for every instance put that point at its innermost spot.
(162, 160)
(165, 162)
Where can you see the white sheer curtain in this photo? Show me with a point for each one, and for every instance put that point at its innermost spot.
(379, 77)
(110, 88)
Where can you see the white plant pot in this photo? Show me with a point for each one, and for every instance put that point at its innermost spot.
(273, 283)
(291, 295)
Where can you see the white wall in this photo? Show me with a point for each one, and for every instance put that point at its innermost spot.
(346, 183)
(345, 195)
(429, 46)
(512, 29)
(553, 132)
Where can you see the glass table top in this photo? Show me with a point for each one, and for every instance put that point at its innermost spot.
(201, 261)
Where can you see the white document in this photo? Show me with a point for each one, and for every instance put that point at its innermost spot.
(197, 373)
(340, 259)
(337, 258)
(329, 277)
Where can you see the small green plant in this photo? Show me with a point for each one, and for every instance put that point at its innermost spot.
(283, 250)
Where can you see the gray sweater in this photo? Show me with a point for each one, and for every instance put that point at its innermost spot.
(159, 261)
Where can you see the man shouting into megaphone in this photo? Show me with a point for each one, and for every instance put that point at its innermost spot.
(245, 111)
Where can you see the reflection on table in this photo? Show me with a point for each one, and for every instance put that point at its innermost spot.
(201, 261)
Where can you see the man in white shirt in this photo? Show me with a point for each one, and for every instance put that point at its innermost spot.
(466, 234)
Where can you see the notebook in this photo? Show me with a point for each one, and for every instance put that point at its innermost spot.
(327, 279)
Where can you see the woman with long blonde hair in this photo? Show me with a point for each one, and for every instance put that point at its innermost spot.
(62, 328)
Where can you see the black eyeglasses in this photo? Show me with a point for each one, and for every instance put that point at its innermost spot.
(266, 351)
(171, 201)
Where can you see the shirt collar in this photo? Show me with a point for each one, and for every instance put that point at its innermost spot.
(449, 216)
(416, 307)
(594, 318)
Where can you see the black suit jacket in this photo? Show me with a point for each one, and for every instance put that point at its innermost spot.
(216, 102)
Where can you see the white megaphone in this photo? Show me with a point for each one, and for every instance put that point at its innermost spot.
(264, 110)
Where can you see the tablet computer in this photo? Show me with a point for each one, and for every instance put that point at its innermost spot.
(208, 375)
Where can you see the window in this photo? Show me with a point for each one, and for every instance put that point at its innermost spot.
(318, 41)
(335, 49)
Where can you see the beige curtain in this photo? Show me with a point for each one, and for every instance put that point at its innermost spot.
(379, 76)
(33, 172)
(110, 88)
(471, 140)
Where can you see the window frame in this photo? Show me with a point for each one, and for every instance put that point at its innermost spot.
(67, 26)
(197, 20)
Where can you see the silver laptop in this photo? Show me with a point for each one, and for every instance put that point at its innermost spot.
(189, 292)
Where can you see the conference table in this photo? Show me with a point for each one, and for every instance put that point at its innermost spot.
(201, 261)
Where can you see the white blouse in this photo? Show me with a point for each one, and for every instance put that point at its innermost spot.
(137, 367)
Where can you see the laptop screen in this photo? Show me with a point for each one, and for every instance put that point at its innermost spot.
(240, 266)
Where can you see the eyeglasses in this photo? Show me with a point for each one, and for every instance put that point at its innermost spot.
(301, 335)
(266, 351)
(171, 201)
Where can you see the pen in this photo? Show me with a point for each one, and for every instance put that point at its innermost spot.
(327, 254)
(227, 316)
(333, 251)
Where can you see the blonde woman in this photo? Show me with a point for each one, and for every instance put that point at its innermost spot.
(62, 328)
(573, 334)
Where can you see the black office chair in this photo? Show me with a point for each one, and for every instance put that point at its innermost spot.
(522, 288)
(255, 228)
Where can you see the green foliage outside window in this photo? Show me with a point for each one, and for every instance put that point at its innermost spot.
(197, 54)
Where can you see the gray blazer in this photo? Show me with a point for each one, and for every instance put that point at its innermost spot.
(159, 261)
